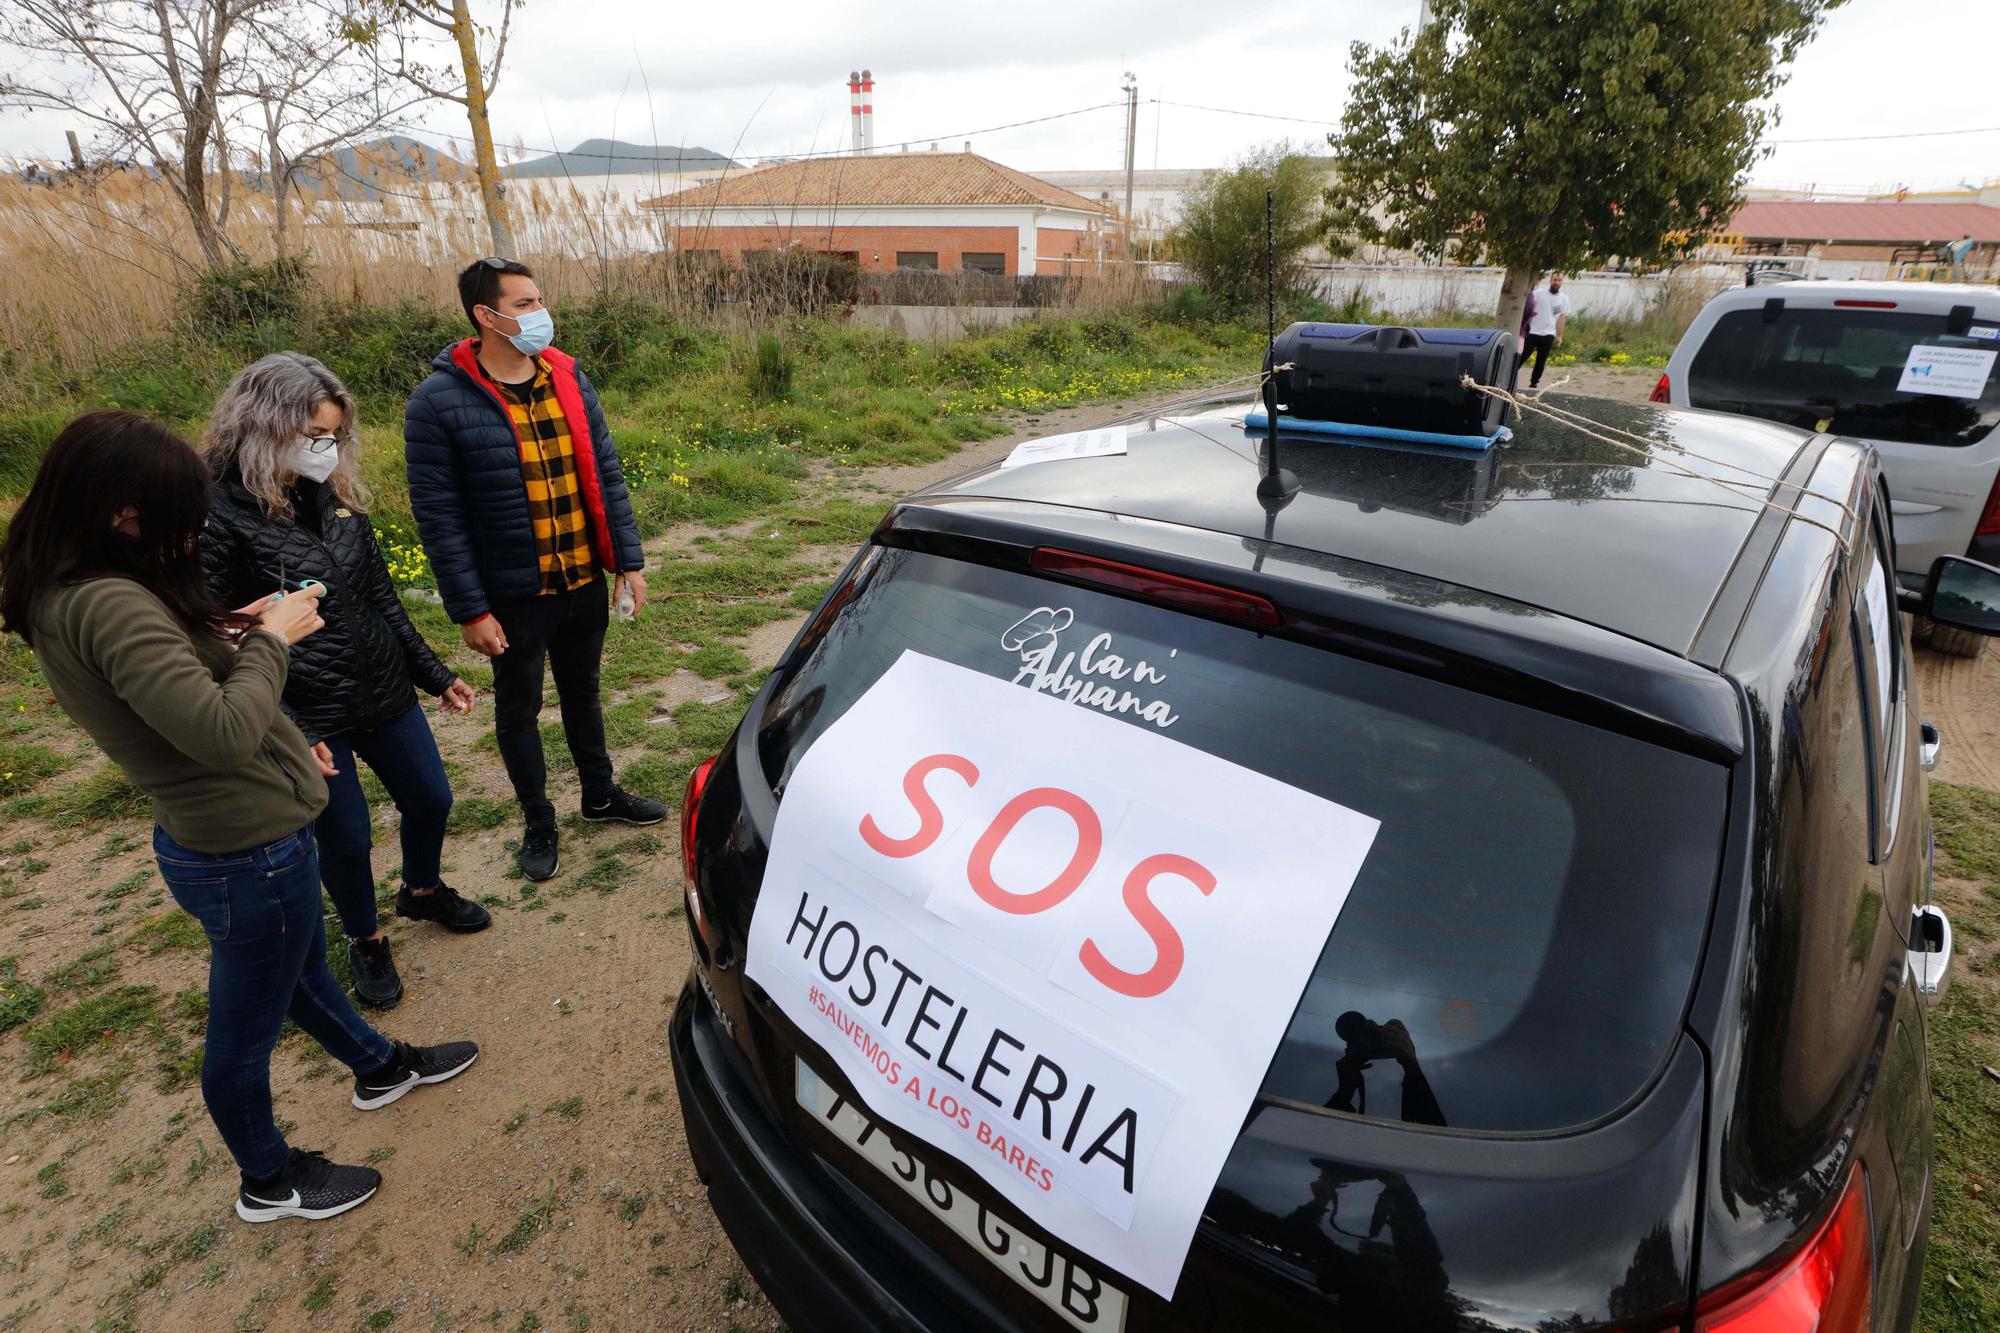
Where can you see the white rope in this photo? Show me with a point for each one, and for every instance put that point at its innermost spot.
(1595, 430)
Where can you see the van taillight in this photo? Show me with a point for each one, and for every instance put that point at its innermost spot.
(1827, 1287)
(1663, 392)
(1989, 522)
(690, 810)
(1208, 599)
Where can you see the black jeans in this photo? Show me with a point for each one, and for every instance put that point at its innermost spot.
(568, 630)
(404, 756)
(1539, 347)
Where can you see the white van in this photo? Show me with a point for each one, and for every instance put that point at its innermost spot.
(1907, 367)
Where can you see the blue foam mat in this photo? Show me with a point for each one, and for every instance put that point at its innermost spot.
(1255, 421)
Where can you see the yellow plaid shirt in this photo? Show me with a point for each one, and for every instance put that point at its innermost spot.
(548, 466)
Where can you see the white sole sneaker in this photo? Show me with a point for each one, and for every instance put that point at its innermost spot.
(387, 1095)
(275, 1212)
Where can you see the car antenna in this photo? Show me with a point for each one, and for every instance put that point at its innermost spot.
(1277, 486)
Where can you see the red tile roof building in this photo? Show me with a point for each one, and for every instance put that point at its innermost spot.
(953, 212)
(1861, 231)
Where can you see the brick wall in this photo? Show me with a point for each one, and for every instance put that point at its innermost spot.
(1062, 250)
(875, 248)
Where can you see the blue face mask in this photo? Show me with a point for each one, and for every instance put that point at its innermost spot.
(538, 330)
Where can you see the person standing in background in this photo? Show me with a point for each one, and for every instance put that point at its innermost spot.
(521, 503)
(1548, 324)
(288, 506)
(100, 574)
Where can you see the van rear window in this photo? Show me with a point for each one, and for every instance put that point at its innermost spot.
(1517, 952)
(1841, 367)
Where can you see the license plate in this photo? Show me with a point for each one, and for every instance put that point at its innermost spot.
(1056, 1280)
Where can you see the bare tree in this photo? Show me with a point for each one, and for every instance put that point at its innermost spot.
(410, 35)
(188, 85)
(313, 93)
(151, 77)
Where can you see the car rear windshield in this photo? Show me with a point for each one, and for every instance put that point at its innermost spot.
(1517, 952)
(1839, 370)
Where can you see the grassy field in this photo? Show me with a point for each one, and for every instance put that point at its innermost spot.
(1962, 1282)
(752, 455)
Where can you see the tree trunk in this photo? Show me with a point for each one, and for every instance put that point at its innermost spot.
(195, 185)
(482, 130)
(1514, 289)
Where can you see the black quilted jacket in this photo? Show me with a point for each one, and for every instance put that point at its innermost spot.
(355, 672)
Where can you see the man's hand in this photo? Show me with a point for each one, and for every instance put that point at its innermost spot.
(636, 581)
(457, 698)
(484, 636)
(324, 758)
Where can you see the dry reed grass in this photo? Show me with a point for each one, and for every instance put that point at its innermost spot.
(94, 265)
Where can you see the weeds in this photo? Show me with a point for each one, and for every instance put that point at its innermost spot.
(538, 1218)
(104, 1017)
(320, 1295)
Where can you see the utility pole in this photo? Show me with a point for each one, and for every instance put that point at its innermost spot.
(75, 151)
(1131, 139)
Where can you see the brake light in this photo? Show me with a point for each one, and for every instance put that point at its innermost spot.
(1663, 392)
(1827, 1287)
(1209, 599)
(1989, 522)
(690, 810)
(1866, 305)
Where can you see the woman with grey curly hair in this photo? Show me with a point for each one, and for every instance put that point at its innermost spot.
(287, 512)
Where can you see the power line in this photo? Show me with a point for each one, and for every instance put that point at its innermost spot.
(1231, 111)
(772, 157)
(1869, 138)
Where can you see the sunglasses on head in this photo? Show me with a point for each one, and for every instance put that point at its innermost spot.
(495, 262)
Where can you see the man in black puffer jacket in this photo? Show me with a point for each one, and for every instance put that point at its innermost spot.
(522, 506)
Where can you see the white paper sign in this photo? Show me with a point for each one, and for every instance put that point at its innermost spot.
(1057, 946)
(1948, 372)
(1075, 444)
(1990, 332)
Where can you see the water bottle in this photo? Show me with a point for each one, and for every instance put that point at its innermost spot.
(624, 605)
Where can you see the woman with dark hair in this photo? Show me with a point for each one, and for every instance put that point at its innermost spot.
(288, 506)
(99, 572)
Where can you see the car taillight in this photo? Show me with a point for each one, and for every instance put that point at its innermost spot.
(1827, 1287)
(690, 811)
(1989, 522)
(1663, 392)
(1209, 599)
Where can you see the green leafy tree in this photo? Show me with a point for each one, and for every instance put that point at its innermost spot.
(1537, 133)
(1220, 237)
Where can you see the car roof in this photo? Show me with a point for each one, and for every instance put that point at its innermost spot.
(1622, 524)
(1814, 291)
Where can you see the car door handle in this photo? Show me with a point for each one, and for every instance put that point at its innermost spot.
(1932, 740)
(1930, 952)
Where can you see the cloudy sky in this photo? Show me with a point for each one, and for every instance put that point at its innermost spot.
(771, 80)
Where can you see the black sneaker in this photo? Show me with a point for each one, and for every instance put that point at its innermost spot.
(622, 807)
(445, 906)
(410, 1066)
(538, 857)
(375, 981)
(310, 1187)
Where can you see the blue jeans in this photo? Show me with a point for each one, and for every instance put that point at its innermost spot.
(267, 958)
(404, 755)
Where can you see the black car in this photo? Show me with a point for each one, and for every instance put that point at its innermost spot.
(1621, 1023)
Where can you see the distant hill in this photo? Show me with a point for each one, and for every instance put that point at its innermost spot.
(614, 157)
(394, 155)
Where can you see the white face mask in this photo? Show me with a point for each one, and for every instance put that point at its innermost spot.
(306, 459)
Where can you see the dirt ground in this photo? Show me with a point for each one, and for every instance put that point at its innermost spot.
(547, 1188)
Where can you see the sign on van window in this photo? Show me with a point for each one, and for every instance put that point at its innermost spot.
(1947, 372)
(1057, 946)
